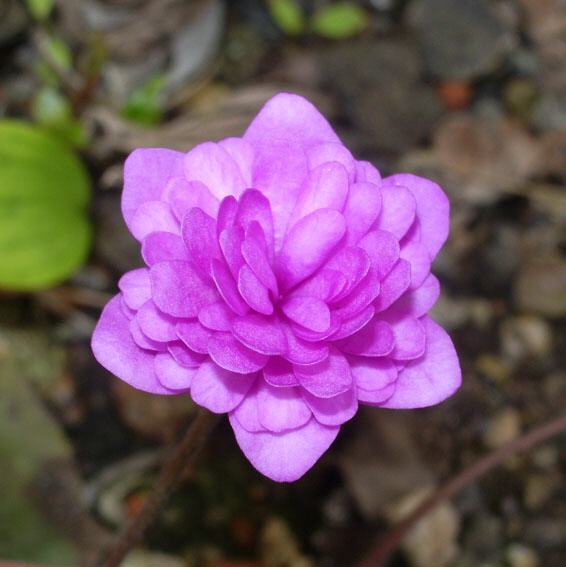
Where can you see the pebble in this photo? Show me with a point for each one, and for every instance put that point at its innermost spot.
(519, 555)
(524, 336)
(502, 428)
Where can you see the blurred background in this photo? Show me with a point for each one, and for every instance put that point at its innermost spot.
(471, 93)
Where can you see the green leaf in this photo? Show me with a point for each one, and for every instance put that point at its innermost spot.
(44, 194)
(339, 21)
(144, 105)
(288, 15)
(40, 9)
(60, 52)
(53, 111)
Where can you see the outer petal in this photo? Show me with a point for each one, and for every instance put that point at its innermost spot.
(243, 155)
(219, 390)
(231, 355)
(331, 151)
(184, 195)
(146, 173)
(418, 302)
(335, 410)
(433, 208)
(156, 325)
(398, 210)
(432, 378)
(361, 210)
(153, 216)
(375, 339)
(135, 287)
(372, 374)
(285, 457)
(171, 374)
(281, 409)
(114, 348)
(163, 247)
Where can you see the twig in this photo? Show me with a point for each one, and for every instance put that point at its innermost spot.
(379, 554)
(171, 475)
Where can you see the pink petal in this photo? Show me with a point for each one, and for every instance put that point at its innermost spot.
(418, 256)
(184, 355)
(253, 206)
(212, 165)
(142, 340)
(331, 151)
(366, 171)
(285, 457)
(217, 389)
(230, 240)
(360, 297)
(185, 195)
(383, 249)
(372, 374)
(226, 214)
(375, 339)
(254, 293)
(216, 316)
(308, 245)
(114, 348)
(179, 290)
(433, 209)
(279, 373)
(315, 336)
(171, 374)
(256, 258)
(418, 302)
(163, 247)
(328, 378)
(156, 325)
(333, 411)
(243, 155)
(326, 188)
(303, 352)
(350, 326)
(246, 413)
(261, 334)
(432, 378)
(232, 355)
(153, 216)
(362, 209)
(146, 173)
(227, 287)
(309, 312)
(194, 335)
(376, 397)
(393, 286)
(325, 285)
(409, 336)
(135, 287)
(199, 235)
(398, 210)
(353, 264)
(281, 409)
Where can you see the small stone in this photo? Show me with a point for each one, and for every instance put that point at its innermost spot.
(525, 336)
(520, 96)
(553, 148)
(541, 286)
(522, 556)
(538, 490)
(462, 39)
(279, 546)
(495, 368)
(502, 428)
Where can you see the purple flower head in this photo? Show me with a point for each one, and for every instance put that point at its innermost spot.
(286, 283)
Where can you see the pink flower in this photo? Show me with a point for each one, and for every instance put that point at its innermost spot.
(286, 283)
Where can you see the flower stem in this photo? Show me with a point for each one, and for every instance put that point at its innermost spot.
(381, 552)
(174, 470)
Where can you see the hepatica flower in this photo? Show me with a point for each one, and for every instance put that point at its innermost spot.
(286, 283)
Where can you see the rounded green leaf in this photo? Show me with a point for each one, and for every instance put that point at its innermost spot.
(288, 15)
(339, 21)
(45, 234)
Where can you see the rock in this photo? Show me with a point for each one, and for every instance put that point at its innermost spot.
(433, 540)
(462, 39)
(538, 490)
(502, 428)
(384, 95)
(144, 558)
(279, 546)
(541, 286)
(525, 336)
(553, 148)
(495, 368)
(522, 556)
(550, 200)
(520, 96)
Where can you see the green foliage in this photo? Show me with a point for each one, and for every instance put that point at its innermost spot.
(288, 15)
(144, 104)
(44, 191)
(40, 9)
(339, 21)
(53, 111)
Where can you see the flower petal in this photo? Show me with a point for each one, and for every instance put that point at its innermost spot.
(333, 411)
(433, 208)
(418, 302)
(432, 378)
(184, 355)
(254, 293)
(372, 374)
(376, 397)
(418, 256)
(285, 457)
(260, 333)
(361, 210)
(383, 249)
(179, 290)
(256, 258)
(146, 173)
(303, 352)
(243, 155)
(279, 373)
(328, 378)
(153, 216)
(309, 312)
(219, 390)
(227, 287)
(393, 286)
(375, 339)
(216, 316)
(232, 355)
(332, 151)
(246, 413)
(154, 324)
(114, 348)
(135, 287)
(409, 336)
(281, 409)
(308, 244)
(171, 374)
(398, 210)
(194, 335)
(184, 195)
(253, 206)
(366, 171)
(163, 247)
